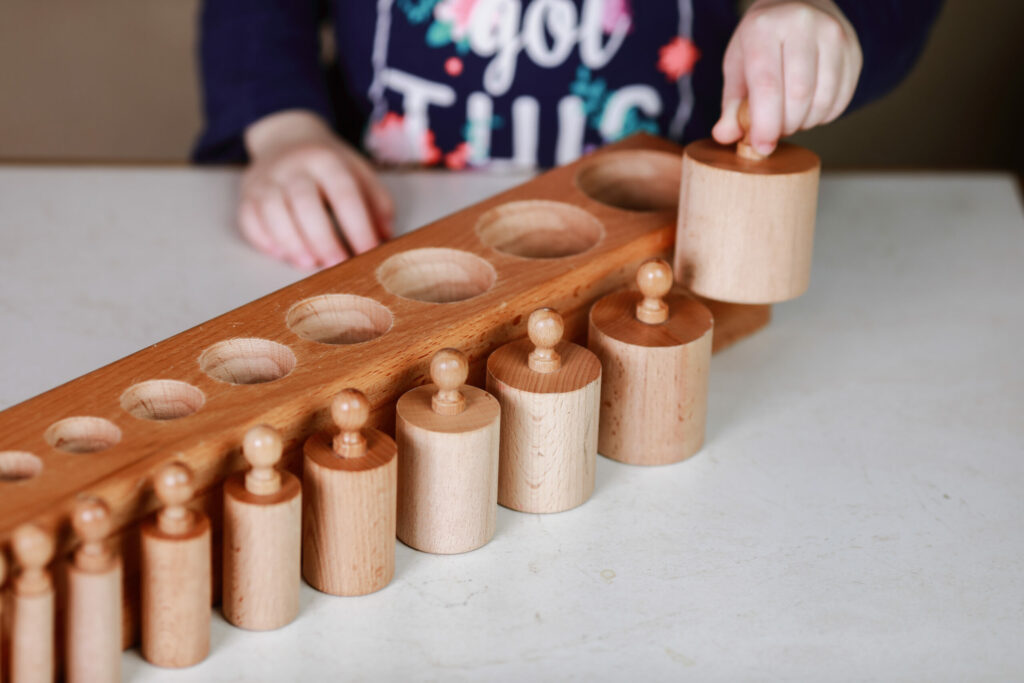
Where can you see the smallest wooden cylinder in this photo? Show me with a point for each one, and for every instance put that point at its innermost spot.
(349, 508)
(655, 348)
(549, 390)
(93, 642)
(447, 434)
(746, 222)
(176, 575)
(262, 537)
(33, 605)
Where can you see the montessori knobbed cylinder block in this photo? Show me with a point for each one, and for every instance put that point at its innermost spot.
(447, 434)
(262, 537)
(176, 574)
(655, 350)
(549, 390)
(349, 509)
(746, 223)
(93, 641)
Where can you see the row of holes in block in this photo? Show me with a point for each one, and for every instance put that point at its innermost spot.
(634, 181)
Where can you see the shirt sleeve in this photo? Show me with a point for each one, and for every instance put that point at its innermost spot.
(256, 57)
(892, 34)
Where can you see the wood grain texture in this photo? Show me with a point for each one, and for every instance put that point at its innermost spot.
(447, 471)
(349, 515)
(262, 544)
(176, 594)
(549, 425)
(655, 382)
(746, 227)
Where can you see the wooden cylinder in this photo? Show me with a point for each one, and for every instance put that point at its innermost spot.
(448, 463)
(655, 383)
(33, 608)
(549, 391)
(94, 625)
(262, 538)
(349, 509)
(746, 226)
(176, 576)
(93, 642)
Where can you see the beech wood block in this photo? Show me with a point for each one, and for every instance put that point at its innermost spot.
(33, 602)
(746, 225)
(549, 390)
(349, 513)
(655, 382)
(262, 538)
(447, 434)
(93, 643)
(176, 575)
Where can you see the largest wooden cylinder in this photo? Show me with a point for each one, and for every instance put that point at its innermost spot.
(746, 227)
(349, 515)
(176, 594)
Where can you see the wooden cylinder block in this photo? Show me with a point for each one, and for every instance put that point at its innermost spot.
(93, 641)
(448, 461)
(549, 391)
(176, 576)
(349, 510)
(746, 226)
(32, 620)
(262, 538)
(655, 383)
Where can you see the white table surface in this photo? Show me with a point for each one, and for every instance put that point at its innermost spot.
(857, 512)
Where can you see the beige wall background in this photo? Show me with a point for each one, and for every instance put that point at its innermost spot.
(115, 80)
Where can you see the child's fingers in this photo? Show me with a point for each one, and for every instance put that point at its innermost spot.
(763, 70)
(254, 231)
(830, 66)
(285, 232)
(311, 215)
(734, 89)
(349, 207)
(800, 75)
(381, 204)
(847, 86)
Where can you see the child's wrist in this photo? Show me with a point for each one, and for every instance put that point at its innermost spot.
(284, 129)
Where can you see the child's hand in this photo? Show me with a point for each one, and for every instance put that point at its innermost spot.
(796, 61)
(297, 163)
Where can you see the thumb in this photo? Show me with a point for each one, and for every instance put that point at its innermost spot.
(734, 89)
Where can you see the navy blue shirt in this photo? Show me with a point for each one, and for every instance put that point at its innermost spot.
(475, 83)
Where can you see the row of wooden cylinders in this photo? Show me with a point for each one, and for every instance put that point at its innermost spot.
(529, 442)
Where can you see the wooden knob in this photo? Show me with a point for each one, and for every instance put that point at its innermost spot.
(92, 523)
(262, 449)
(350, 410)
(654, 278)
(33, 549)
(448, 370)
(174, 487)
(743, 148)
(545, 328)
